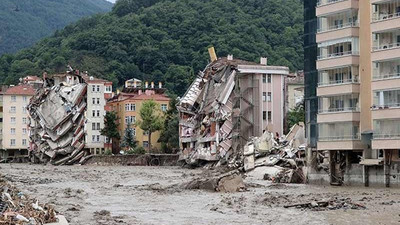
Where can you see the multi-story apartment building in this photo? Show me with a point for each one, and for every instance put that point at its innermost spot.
(127, 105)
(228, 103)
(358, 89)
(99, 91)
(15, 120)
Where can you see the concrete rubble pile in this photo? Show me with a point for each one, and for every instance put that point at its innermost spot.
(57, 119)
(206, 116)
(280, 161)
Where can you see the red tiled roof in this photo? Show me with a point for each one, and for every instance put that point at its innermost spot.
(20, 90)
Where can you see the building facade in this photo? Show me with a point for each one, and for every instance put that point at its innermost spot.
(15, 121)
(99, 91)
(358, 90)
(127, 105)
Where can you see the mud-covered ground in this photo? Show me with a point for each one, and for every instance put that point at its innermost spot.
(147, 195)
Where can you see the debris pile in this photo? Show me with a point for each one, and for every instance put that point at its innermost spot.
(331, 204)
(17, 208)
(279, 160)
(227, 183)
(57, 119)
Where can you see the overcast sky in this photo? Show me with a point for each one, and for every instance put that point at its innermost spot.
(113, 1)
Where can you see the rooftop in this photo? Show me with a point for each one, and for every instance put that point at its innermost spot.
(21, 90)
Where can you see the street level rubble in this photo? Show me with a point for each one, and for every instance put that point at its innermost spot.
(278, 160)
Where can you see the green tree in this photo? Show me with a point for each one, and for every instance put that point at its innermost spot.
(150, 118)
(170, 133)
(296, 115)
(110, 129)
(129, 141)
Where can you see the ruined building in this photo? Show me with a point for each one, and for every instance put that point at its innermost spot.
(61, 126)
(230, 101)
(352, 70)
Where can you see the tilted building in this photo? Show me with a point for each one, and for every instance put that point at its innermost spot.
(227, 104)
(358, 89)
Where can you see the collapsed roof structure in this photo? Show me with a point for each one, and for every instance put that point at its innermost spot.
(57, 119)
(222, 110)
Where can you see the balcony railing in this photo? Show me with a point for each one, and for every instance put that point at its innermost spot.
(327, 2)
(380, 17)
(339, 54)
(386, 136)
(338, 27)
(386, 106)
(386, 76)
(336, 110)
(338, 82)
(386, 46)
(340, 138)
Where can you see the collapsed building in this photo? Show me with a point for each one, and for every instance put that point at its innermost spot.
(229, 102)
(59, 119)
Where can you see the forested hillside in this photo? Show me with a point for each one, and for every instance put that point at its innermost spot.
(167, 40)
(23, 22)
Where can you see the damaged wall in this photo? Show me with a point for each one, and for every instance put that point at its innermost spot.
(224, 108)
(57, 120)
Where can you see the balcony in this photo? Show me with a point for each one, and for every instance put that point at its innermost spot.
(386, 81)
(346, 87)
(386, 134)
(325, 7)
(338, 60)
(349, 30)
(386, 15)
(386, 51)
(335, 145)
(386, 112)
(341, 115)
(339, 136)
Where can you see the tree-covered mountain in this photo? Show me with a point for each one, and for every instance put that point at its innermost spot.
(24, 22)
(167, 40)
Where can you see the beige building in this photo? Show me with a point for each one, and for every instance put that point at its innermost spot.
(15, 121)
(359, 89)
(295, 90)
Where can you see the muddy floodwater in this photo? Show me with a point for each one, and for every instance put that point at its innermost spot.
(148, 195)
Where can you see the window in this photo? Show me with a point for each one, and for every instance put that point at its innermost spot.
(97, 138)
(130, 107)
(13, 120)
(269, 116)
(98, 101)
(98, 88)
(25, 99)
(24, 109)
(269, 78)
(13, 109)
(108, 89)
(12, 142)
(98, 126)
(24, 120)
(98, 113)
(264, 78)
(23, 142)
(12, 131)
(13, 98)
(134, 131)
(94, 88)
(264, 115)
(93, 101)
(93, 113)
(145, 133)
(269, 97)
(164, 107)
(93, 138)
(145, 144)
(93, 126)
(130, 119)
(24, 131)
(264, 97)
